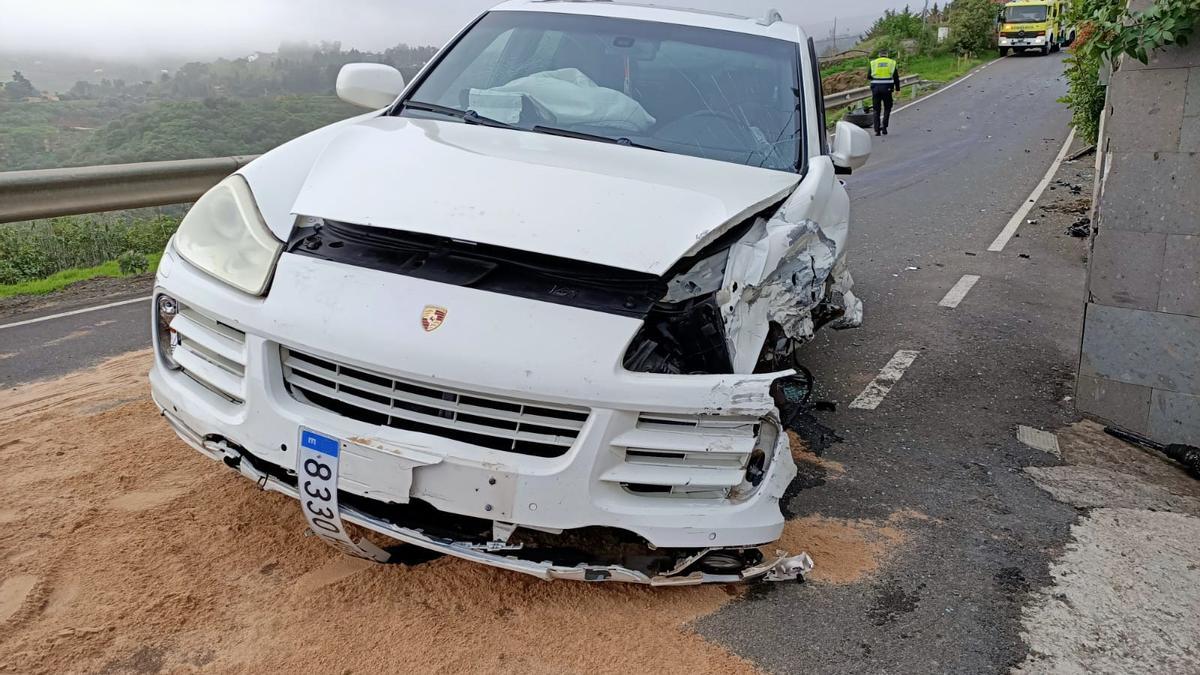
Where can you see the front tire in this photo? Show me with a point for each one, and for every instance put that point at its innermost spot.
(1003, 52)
(1046, 50)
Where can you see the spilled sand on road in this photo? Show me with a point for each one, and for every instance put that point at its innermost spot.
(804, 455)
(124, 550)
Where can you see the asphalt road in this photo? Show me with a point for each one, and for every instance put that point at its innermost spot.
(942, 443)
(50, 347)
(938, 190)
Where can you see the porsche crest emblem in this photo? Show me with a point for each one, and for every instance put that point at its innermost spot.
(433, 317)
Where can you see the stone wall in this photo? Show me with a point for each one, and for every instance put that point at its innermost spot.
(1140, 358)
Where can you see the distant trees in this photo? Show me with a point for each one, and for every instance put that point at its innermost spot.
(212, 127)
(20, 88)
(895, 30)
(972, 25)
(296, 68)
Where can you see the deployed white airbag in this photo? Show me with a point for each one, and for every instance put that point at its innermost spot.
(569, 95)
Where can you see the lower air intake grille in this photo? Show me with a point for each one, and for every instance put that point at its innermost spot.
(210, 352)
(506, 424)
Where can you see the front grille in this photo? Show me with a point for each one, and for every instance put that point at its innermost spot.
(507, 424)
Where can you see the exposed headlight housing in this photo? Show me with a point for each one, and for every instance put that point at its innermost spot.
(225, 235)
(166, 309)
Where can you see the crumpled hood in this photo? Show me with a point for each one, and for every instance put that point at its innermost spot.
(607, 204)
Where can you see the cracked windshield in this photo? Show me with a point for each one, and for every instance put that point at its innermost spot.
(681, 89)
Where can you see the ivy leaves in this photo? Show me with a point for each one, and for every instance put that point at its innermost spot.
(1119, 31)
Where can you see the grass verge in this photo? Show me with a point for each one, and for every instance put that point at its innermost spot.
(939, 70)
(67, 277)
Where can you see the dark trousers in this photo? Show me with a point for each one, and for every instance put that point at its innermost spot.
(881, 100)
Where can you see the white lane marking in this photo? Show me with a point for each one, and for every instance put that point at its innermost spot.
(952, 85)
(1009, 230)
(960, 290)
(878, 390)
(73, 313)
(1039, 440)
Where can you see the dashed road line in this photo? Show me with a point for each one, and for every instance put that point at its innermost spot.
(85, 310)
(960, 290)
(878, 390)
(948, 87)
(1009, 230)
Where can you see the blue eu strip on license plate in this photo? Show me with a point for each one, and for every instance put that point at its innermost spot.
(317, 487)
(322, 444)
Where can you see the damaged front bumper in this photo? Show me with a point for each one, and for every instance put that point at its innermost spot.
(686, 465)
(780, 567)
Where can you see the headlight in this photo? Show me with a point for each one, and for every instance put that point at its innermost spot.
(226, 236)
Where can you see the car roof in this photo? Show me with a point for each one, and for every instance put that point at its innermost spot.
(769, 25)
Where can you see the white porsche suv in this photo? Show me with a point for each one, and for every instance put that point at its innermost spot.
(540, 308)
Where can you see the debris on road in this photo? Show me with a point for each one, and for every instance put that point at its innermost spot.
(1186, 455)
(1074, 188)
(1089, 150)
(1039, 440)
(1081, 228)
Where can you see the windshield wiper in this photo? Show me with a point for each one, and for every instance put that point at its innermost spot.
(467, 116)
(583, 136)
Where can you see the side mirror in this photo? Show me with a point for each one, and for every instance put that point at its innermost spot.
(851, 148)
(370, 85)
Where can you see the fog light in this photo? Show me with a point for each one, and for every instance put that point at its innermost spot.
(167, 309)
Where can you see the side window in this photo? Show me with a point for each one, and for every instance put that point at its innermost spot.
(820, 93)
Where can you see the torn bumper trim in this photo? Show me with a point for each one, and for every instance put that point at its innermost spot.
(780, 567)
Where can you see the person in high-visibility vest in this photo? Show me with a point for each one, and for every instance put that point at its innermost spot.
(885, 80)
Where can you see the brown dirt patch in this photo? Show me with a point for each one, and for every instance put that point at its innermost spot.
(1074, 206)
(134, 553)
(843, 81)
(847, 551)
(13, 592)
(138, 554)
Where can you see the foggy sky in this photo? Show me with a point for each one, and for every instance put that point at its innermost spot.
(139, 29)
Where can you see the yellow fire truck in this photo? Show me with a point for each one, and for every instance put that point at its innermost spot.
(1039, 25)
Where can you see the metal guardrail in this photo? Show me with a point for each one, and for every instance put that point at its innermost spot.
(851, 96)
(49, 193)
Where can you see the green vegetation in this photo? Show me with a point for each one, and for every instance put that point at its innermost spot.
(1085, 94)
(19, 87)
(41, 249)
(1108, 30)
(109, 131)
(902, 32)
(935, 67)
(227, 107)
(209, 128)
(65, 278)
(1118, 30)
(947, 67)
(973, 26)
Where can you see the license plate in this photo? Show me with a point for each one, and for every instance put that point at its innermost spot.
(317, 481)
